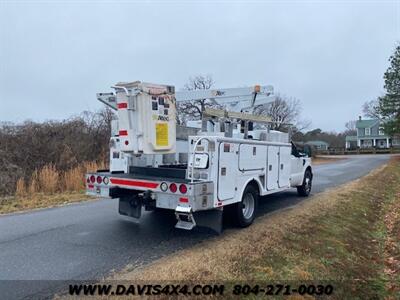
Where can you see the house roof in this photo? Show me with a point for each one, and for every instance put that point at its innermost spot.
(351, 138)
(317, 143)
(366, 123)
(368, 137)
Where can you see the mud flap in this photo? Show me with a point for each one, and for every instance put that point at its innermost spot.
(130, 206)
(210, 218)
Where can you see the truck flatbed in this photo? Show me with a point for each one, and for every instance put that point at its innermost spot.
(148, 177)
(164, 173)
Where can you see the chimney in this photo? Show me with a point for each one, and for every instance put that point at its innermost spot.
(359, 118)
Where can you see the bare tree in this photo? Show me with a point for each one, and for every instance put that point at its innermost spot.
(370, 109)
(351, 128)
(283, 111)
(29, 146)
(199, 82)
(302, 124)
(193, 110)
(351, 125)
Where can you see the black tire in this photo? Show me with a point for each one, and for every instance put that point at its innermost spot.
(244, 216)
(304, 190)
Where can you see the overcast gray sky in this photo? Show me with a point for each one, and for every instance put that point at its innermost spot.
(331, 55)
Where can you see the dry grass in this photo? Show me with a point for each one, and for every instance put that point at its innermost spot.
(48, 186)
(49, 181)
(20, 190)
(40, 200)
(93, 166)
(73, 179)
(339, 234)
(392, 243)
(319, 160)
(34, 186)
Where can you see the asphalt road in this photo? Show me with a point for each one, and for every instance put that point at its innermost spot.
(86, 241)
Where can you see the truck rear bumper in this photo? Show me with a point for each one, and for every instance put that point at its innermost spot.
(194, 208)
(98, 191)
(167, 193)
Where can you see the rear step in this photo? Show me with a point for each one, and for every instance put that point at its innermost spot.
(185, 218)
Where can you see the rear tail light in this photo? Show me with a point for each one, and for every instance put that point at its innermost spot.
(99, 179)
(92, 179)
(183, 189)
(173, 188)
(106, 180)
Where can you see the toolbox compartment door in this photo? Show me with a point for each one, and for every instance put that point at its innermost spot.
(284, 166)
(272, 167)
(227, 170)
(252, 157)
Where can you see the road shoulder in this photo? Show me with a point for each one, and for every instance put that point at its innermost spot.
(13, 205)
(341, 234)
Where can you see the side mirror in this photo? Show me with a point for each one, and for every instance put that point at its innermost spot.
(295, 151)
(307, 151)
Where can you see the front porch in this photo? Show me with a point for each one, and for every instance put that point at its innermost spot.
(378, 142)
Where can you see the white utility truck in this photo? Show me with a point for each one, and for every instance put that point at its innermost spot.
(223, 164)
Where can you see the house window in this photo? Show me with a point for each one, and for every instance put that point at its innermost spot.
(381, 131)
(367, 131)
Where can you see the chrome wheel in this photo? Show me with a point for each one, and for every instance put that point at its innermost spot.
(308, 184)
(248, 205)
(305, 189)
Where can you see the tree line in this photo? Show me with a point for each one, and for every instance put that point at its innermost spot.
(65, 144)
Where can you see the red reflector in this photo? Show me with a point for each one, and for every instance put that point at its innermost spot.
(92, 179)
(90, 186)
(122, 105)
(127, 143)
(227, 147)
(183, 189)
(173, 188)
(184, 200)
(123, 132)
(99, 179)
(128, 182)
